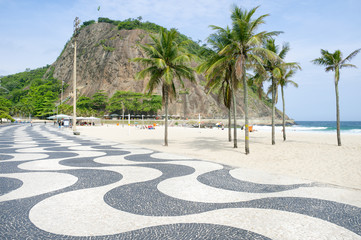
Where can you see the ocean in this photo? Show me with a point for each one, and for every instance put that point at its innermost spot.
(329, 126)
(351, 127)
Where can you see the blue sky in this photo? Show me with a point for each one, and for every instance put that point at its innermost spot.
(33, 33)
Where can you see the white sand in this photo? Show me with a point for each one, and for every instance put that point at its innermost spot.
(313, 156)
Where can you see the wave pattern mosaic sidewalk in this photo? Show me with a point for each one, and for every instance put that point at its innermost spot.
(54, 185)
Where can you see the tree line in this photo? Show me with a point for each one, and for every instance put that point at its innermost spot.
(121, 103)
(35, 93)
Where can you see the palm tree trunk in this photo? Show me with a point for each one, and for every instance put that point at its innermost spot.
(229, 125)
(337, 115)
(234, 121)
(283, 114)
(123, 113)
(273, 111)
(166, 118)
(245, 92)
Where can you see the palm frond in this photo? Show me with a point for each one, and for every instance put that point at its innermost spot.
(292, 65)
(257, 22)
(284, 51)
(147, 71)
(271, 34)
(155, 81)
(293, 83)
(347, 66)
(321, 61)
(143, 61)
(330, 68)
(352, 55)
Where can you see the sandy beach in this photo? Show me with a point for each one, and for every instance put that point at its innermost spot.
(313, 156)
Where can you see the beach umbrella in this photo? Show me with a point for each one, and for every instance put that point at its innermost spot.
(63, 116)
(60, 116)
(93, 118)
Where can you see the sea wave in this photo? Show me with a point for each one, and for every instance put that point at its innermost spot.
(352, 131)
(299, 128)
(289, 128)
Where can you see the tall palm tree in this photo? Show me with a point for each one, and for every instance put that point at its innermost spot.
(335, 62)
(276, 69)
(166, 61)
(273, 68)
(284, 80)
(219, 71)
(218, 82)
(246, 48)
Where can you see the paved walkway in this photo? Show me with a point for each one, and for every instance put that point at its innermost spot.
(54, 185)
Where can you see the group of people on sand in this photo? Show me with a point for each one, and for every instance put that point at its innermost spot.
(150, 127)
(87, 124)
(61, 123)
(220, 125)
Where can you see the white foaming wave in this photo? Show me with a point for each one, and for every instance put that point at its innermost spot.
(299, 128)
(288, 128)
(352, 131)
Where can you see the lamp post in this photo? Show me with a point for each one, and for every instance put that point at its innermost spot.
(76, 33)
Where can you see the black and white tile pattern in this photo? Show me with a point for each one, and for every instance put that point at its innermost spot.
(54, 185)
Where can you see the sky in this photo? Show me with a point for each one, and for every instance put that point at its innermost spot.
(34, 32)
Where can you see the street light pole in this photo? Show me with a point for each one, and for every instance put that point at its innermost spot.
(76, 32)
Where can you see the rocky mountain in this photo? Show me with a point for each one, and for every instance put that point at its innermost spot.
(103, 54)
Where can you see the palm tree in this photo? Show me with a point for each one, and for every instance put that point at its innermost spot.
(283, 81)
(219, 71)
(246, 48)
(334, 62)
(166, 61)
(276, 69)
(273, 67)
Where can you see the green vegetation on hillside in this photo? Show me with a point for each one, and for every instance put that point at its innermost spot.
(136, 23)
(122, 102)
(132, 23)
(125, 102)
(5, 106)
(32, 92)
(35, 93)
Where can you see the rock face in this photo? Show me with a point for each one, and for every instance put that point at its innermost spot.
(103, 54)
